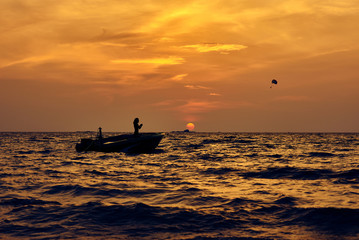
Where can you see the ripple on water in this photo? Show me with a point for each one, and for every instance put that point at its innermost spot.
(199, 186)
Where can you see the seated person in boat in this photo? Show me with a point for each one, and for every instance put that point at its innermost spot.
(99, 134)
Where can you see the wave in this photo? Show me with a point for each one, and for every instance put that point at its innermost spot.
(321, 154)
(96, 190)
(352, 174)
(29, 152)
(338, 221)
(227, 140)
(95, 218)
(290, 173)
(14, 201)
(195, 146)
(45, 151)
(275, 155)
(286, 200)
(252, 155)
(54, 173)
(210, 157)
(205, 201)
(95, 172)
(303, 174)
(139, 220)
(347, 177)
(219, 171)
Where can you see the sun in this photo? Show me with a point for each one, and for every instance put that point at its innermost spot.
(190, 126)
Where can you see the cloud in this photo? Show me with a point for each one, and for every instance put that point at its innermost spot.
(179, 77)
(154, 61)
(196, 107)
(196, 87)
(106, 36)
(199, 87)
(27, 61)
(215, 47)
(189, 106)
(339, 7)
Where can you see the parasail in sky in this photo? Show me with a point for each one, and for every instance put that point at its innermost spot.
(274, 82)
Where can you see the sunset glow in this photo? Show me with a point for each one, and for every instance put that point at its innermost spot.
(75, 65)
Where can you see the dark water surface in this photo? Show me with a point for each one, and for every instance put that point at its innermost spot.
(194, 186)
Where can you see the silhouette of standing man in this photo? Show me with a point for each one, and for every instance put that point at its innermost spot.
(137, 126)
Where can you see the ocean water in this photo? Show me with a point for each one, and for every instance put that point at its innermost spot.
(193, 186)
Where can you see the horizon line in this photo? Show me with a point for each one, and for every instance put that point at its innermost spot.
(179, 131)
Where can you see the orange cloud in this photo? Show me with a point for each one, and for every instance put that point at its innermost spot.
(196, 87)
(179, 77)
(154, 61)
(215, 47)
(27, 61)
(195, 107)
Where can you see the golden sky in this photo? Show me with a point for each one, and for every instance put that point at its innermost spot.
(79, 64)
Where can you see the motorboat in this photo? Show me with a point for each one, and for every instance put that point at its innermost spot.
(129, 143)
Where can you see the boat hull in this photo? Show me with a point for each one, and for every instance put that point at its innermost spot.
(146, 142)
